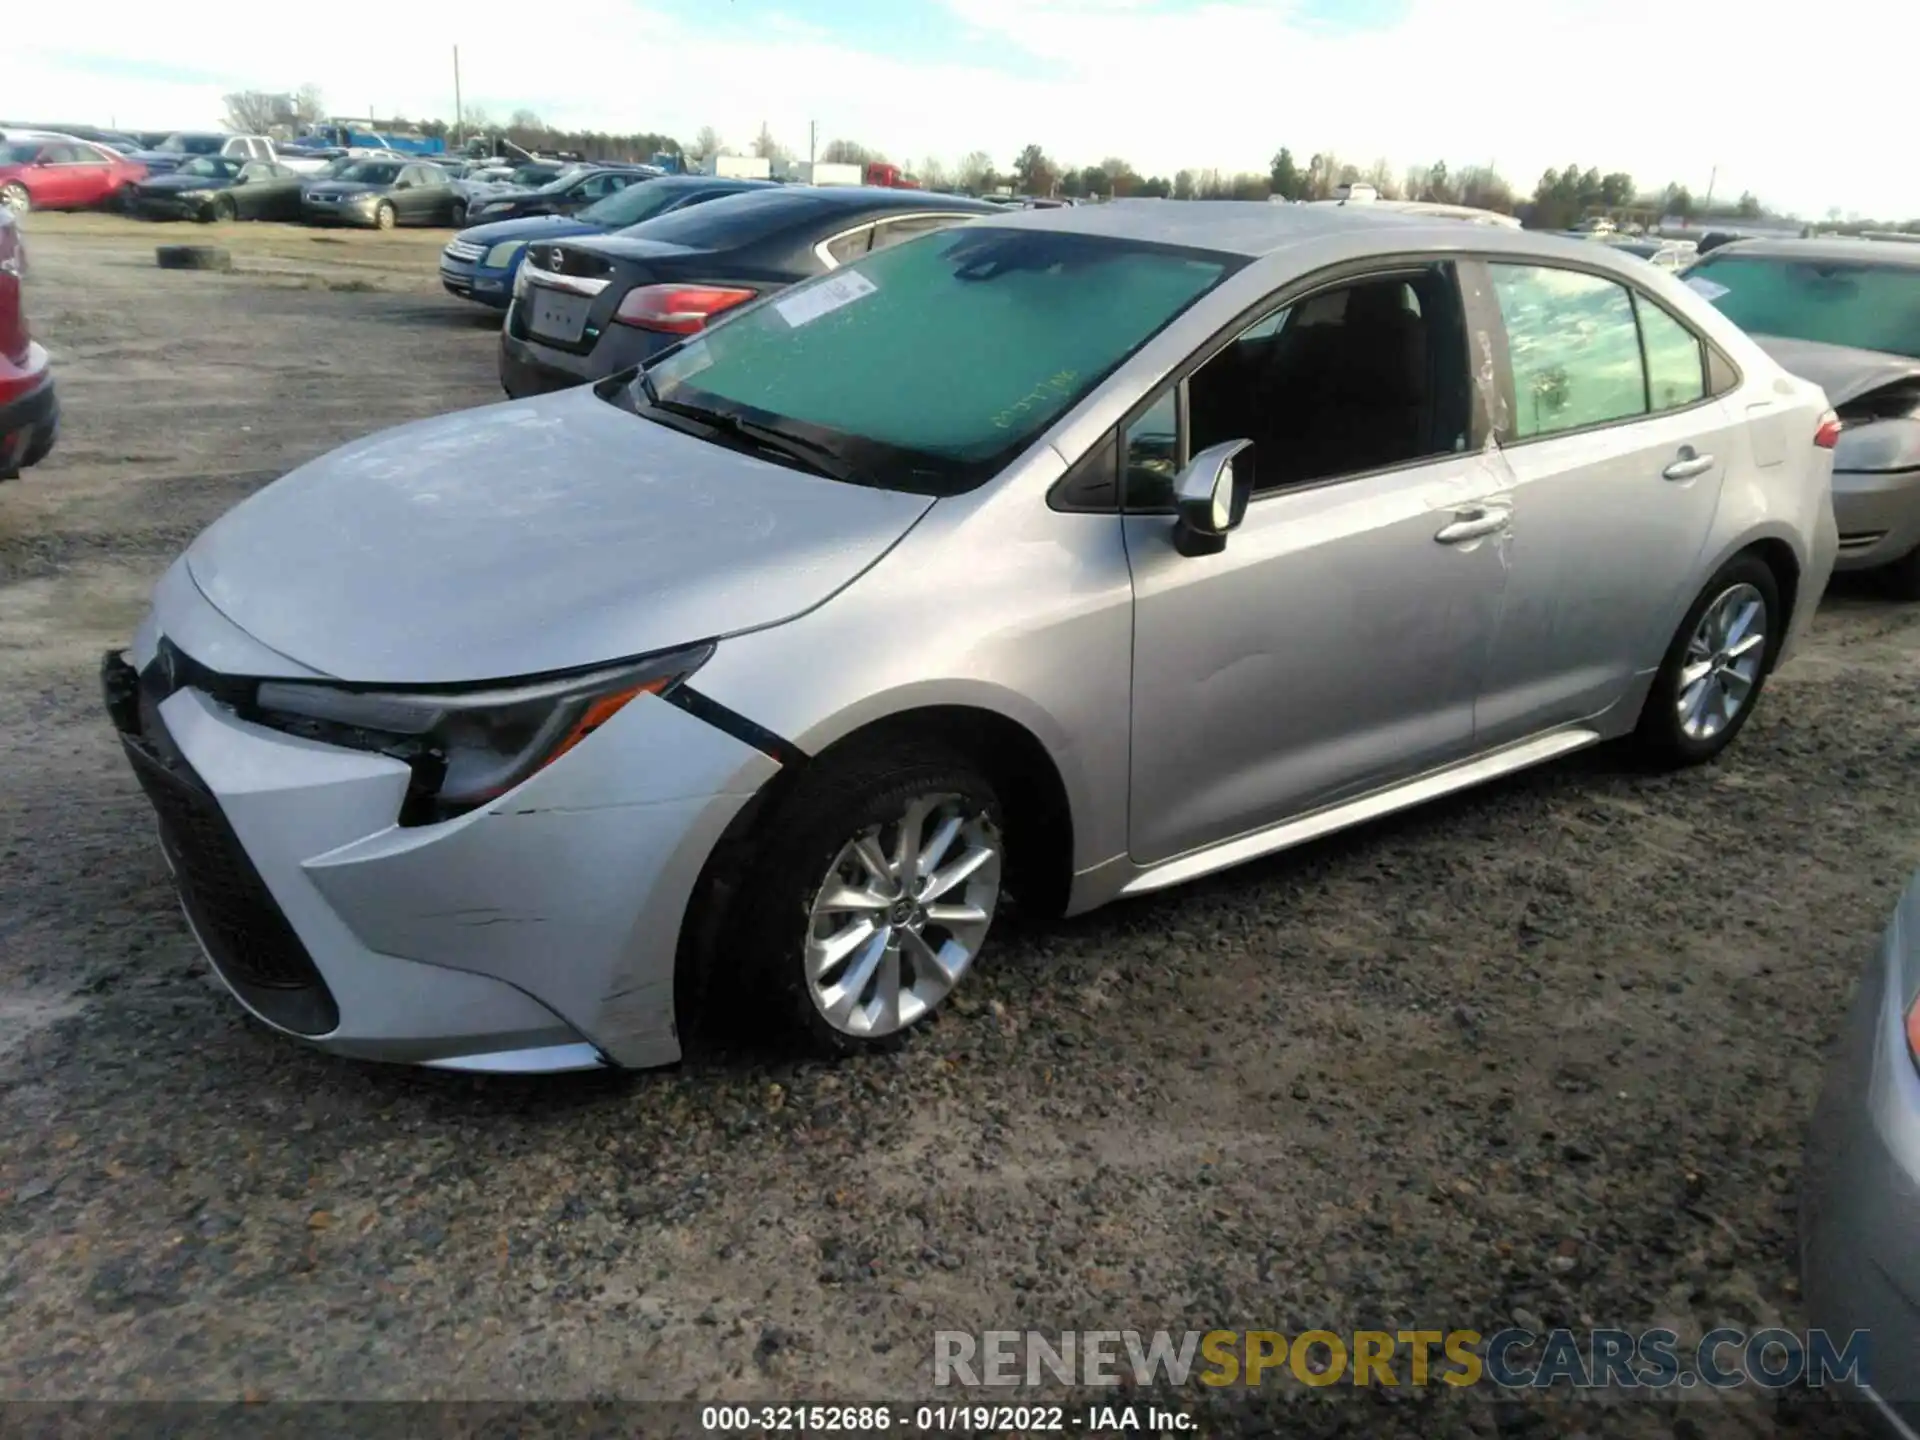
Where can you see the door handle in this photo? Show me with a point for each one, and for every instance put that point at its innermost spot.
(1688, 466)
(1474, 523)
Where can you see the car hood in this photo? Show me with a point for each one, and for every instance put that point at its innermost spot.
(1843, 372)
(178, 182)
(532, 227)
(538, 535)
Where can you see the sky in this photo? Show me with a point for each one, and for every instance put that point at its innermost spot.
(1667, 90)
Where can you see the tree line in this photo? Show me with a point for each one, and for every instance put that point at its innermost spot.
(1560, 198)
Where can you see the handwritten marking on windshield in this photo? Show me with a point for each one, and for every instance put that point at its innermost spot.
(1054, 387)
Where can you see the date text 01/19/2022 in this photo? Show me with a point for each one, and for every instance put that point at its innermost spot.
(938, 1419)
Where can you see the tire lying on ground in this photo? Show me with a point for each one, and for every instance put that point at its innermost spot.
(192, 257)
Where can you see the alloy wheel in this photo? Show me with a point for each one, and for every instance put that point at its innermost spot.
(1723, 661)
(16, 198)
(902, 914)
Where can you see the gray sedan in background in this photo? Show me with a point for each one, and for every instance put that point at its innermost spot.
(1860, 1199)
(1068, 554)
(1844, 314)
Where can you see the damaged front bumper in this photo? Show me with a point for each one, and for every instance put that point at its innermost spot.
(538, 933)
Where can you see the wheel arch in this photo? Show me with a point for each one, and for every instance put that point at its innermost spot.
(1774, 544)
(1023, 771)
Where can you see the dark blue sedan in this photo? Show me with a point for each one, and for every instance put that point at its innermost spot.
(480, 263)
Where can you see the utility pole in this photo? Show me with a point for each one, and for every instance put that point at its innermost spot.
(459, 113)
(812, 128)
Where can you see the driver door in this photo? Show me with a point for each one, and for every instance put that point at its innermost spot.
(1337, 644)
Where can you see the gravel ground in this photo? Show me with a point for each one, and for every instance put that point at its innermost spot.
(1539, 1054)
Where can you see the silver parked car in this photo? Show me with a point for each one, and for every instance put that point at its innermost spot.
(1859, 1261)
(1066, 555)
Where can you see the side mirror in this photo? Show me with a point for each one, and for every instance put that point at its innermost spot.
(1210, 497)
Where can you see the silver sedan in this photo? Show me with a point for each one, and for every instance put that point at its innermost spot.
(1065, 555)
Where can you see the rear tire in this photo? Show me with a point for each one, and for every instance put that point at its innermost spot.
(852, 953)
(1715, 668)
(16, 198)
(383, 217)
(459, 214)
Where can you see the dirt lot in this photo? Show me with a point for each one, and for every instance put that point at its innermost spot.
(1542, 1054)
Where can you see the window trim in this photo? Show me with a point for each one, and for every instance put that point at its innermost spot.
(1304, 287)
(1635, 295)
(824, 250)
(872, 225)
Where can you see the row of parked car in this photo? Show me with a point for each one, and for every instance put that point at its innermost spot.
(1075, 463)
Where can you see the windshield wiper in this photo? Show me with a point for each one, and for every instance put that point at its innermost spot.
(817, 457)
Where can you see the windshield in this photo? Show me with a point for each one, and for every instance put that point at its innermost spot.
(211, 167)
(370, 172)
(641, 200)
(927, 366)
(1835, 302)
(193, 144)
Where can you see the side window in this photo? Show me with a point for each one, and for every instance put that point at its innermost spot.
(1359, 376)
(1152, 450)
(1574, 346)
(851, 247)
(894, 232)
(60, 155)
(1676, 363)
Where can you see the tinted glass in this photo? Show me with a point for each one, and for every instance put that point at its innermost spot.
(896, 232)
(20, 153)
(743, 218)
(1836, 302)
(929, 365)
(370, 172)
(1676, 363)
(193, 144)
(1153, 455)
(211, 167)
(635, 204)
(1574, 347)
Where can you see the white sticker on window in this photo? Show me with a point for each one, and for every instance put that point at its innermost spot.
(824, 297)
(1700, 285)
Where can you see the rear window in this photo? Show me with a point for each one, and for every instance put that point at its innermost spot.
(927, 366)
(639, 202)
(370, 172)
(737, 219)
(1834, 302)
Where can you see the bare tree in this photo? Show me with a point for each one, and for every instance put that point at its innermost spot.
(253, 112)
(707, 144)
(1381, 178)
(526, 120)
(768, 148)
(976, 171)
(309, 106)
(851, 152)
(933, 174)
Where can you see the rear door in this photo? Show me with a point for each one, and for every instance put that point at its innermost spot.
(1617, 451)
(64, 179)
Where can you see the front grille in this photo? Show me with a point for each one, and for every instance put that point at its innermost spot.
(241, 927)
(462, 250)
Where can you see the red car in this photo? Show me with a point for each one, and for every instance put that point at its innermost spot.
(64, 174)
(29, 415)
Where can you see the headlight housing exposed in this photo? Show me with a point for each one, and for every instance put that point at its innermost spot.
(467, 747)
(501, 255)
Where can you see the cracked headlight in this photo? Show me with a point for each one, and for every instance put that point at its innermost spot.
(467, 747)
(501, 255)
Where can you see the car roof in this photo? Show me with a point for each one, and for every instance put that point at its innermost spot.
(1833, 247)
(1256, 228)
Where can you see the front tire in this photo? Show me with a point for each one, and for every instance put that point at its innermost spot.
(383, 217)
(459, 215)
(1715, 668)
(16, 198)
(870, 900)
(224, 209)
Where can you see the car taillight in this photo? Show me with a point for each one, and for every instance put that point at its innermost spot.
(1827, 435)
(1913, 1030)
(677, 309)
